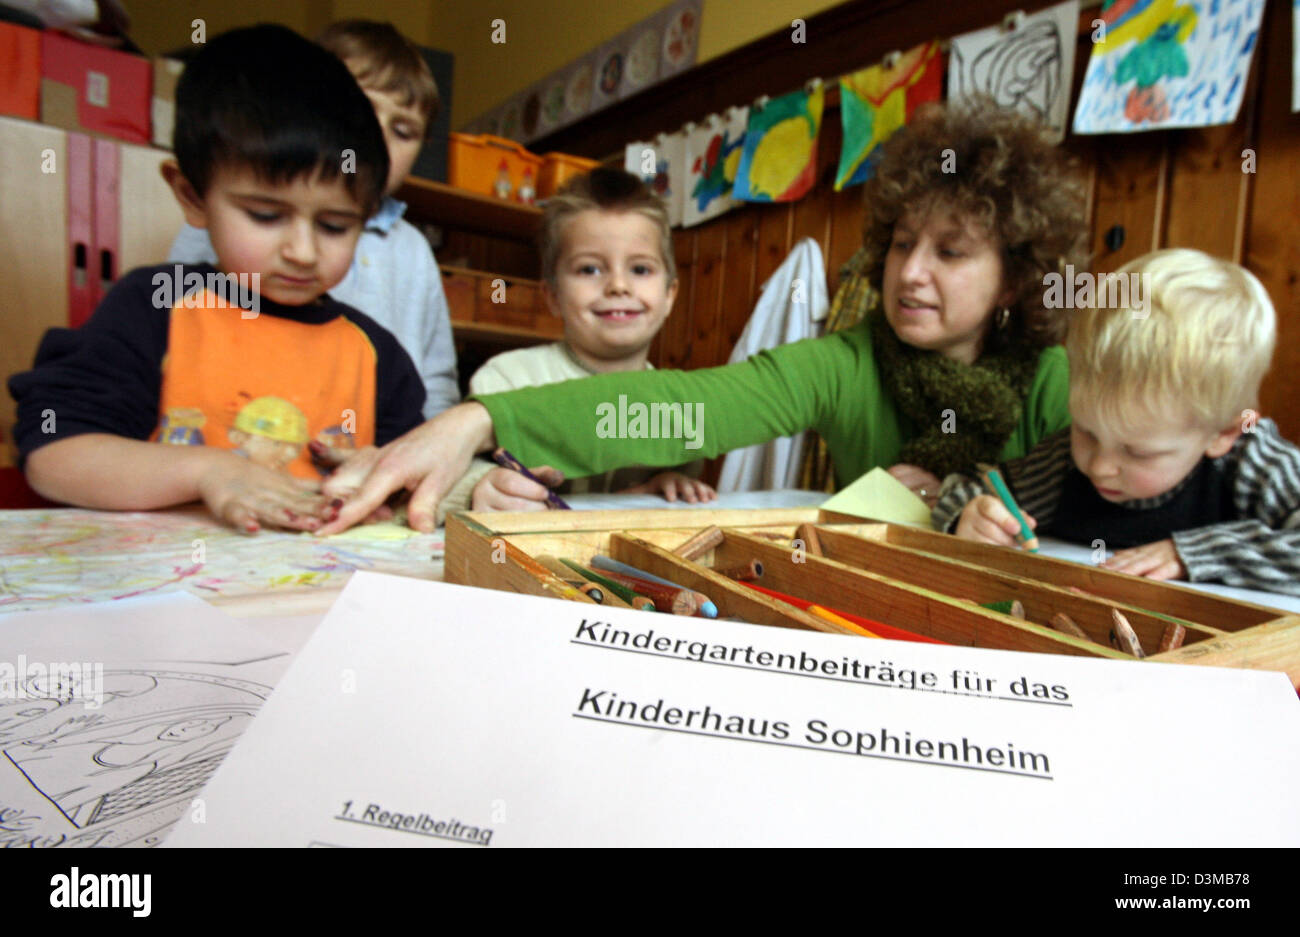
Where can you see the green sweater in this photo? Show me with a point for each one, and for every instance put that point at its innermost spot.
(830, 384)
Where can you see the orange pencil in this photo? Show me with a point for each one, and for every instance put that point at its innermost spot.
(826, 614)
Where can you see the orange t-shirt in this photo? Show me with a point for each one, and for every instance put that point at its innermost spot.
(265, 386)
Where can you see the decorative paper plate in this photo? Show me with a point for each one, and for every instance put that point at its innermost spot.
(679, 40)
(643, 60)
(611, 73)
(577, 96)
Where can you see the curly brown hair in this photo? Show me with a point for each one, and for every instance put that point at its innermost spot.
(1001, 173)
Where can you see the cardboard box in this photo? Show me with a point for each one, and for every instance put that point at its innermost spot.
(95, 90)
(20, 71)
(166, 72)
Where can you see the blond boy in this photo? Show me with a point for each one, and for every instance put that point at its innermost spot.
(608, 272)
(1166, 459)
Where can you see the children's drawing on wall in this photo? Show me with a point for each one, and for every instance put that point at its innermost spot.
(875, 102)
(1168, 63)
(661, 164)
(712, 159)
(778, 162)
(1025, 64)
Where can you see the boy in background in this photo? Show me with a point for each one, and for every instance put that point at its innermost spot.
(394, 278)
(172, 393)
(608, 272)
(1164, 459)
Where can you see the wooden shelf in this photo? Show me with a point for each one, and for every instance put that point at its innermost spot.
(499, 334)
(450, 207)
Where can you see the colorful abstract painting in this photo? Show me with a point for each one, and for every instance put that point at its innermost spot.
(1168, 63)
(712, 160)
(1026, 67)
(877, 101)
(662, 166)
(779, 159)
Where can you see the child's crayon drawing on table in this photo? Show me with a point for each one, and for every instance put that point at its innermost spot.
(72, 556)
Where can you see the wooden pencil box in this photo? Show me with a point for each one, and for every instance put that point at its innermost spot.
(925, 582)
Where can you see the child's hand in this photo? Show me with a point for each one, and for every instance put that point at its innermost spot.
(986, 519)
(248, 496)
(674, 485)
(1157, 560)
(505, 490)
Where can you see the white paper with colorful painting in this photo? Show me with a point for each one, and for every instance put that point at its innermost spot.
(1158, 64)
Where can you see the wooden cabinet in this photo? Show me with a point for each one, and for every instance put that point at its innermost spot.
(75, 212)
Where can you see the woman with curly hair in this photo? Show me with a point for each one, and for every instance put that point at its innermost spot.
(969, 210)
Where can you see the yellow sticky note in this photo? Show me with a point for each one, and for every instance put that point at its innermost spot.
(880, 496)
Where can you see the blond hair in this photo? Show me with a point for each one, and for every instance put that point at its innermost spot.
(384, 60)
(1201, 339)
(602, 190)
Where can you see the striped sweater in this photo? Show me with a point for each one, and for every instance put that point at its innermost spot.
(1259, 549)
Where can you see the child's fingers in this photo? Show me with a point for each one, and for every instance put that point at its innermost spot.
(512, 484)
(240, 516)
(550, 477)
(987, 519)
(668, 488)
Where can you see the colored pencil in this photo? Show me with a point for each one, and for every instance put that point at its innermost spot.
(992, 479)
(1123, 636)
(620, 590)
(1066, 625)
(609, 564)
(812, 544)
(671, 599)
(826, 614)
(504, 459)
(745, 572)
(547, 579)
(1012, 607)
(1173, 637)
(701, 543)
(563, 572)
(878, 628)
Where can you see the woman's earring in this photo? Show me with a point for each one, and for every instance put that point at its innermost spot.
(1004, 316)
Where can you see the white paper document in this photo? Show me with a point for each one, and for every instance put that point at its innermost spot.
(427, 714)
(112, 716)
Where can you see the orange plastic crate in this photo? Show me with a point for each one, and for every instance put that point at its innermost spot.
(473, 163)
(558, 169)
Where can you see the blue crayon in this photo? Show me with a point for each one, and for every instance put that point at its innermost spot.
(707, 608)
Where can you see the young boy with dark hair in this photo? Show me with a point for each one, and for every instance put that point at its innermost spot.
(211, 382)
(394, 278)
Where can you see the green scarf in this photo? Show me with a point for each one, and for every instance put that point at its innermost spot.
(987, 399)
